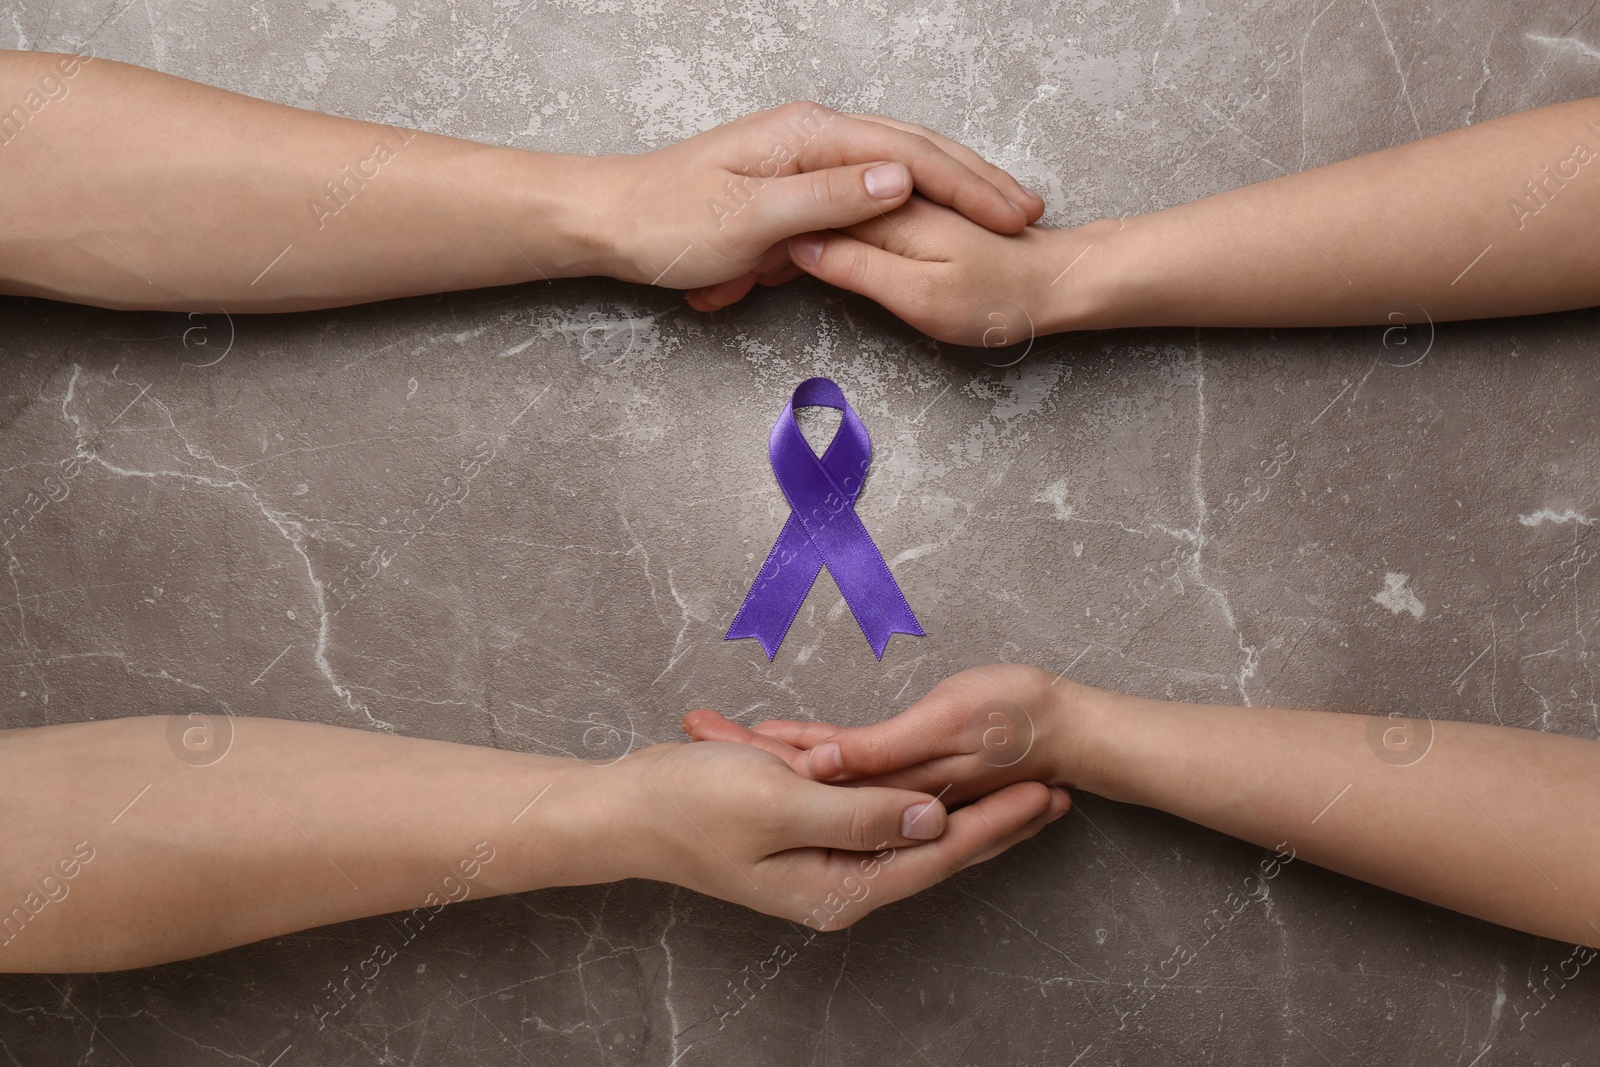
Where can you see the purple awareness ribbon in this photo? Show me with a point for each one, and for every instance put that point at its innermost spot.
(822, 530)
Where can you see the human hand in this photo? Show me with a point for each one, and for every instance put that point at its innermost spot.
(979, 731)
(735, 823)
(958, 282)
(712, 213)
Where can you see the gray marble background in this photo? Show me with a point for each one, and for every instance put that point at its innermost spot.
(1112, 503)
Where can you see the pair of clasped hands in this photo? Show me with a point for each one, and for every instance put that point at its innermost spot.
(974, 767)
(932, 235)
(977, 765)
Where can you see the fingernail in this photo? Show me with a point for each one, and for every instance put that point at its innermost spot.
(826, 762)
(916, 825)
(887, 182)
(806, 249)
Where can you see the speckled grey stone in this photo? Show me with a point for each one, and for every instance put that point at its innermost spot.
(1328, 518)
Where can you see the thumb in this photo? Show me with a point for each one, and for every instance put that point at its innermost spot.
(869, 818)
(828, 199)
(974, 834)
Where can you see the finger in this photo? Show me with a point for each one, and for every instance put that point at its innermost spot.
(774, 258)
(936, 174)
(944, 776)
(893, 281)
(1059, 805)
(866, 820)
(931, 729)
(773, 268)
(796, 734)
(997, 176)
(828, 198)
(702, 724)
(974, 833)
(1024, 199)
(783, 275)
(913, 231)
(718, 296)
(952, 774)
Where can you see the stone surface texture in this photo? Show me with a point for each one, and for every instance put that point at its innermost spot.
(1354, 519)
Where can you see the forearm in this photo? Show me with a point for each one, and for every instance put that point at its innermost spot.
(298, 825)
(132, 189)
(124, 847)
(1490, 821)
(1481, 221)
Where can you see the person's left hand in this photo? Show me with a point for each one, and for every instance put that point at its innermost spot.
(712, 214)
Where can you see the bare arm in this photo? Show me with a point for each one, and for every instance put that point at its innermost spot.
(128, 188)
(1493, 219)
(118, 853)
(1491, 821)
(1488, 820)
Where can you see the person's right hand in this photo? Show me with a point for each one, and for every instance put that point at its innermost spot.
(975, 732)
(959, 282)
(713, 213)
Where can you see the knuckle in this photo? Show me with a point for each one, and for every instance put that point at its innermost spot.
(850, 261)
(862, 830)
(954, 864)
(772, 804)
(796, 110)
(768, 814)
(877, 752)
(829, 188)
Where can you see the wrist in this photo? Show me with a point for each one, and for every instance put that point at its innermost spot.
(1082, 724)
(631, 826)
(573, 828)
(1084, 291)
(567, 217)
